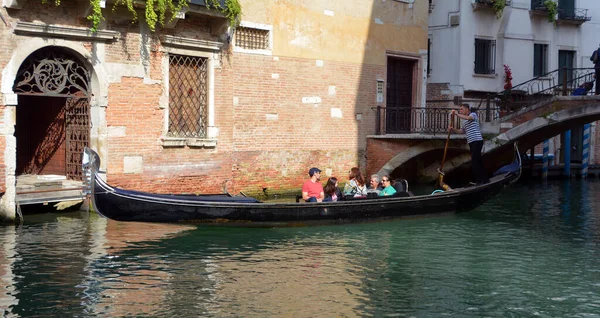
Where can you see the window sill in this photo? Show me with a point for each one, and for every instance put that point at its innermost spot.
(486, 75)
(170, 142)
(249, 51)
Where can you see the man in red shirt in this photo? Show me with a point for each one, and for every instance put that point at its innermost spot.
(312, 190)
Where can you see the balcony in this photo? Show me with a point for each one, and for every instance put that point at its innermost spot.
(203, 2)
(487, 4)
(575, 16)
(538, 6)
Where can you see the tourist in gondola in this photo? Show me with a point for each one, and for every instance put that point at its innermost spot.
(473, 131)
(388, 188)
(374, 185)
(356, 184)
(312, 190)
(332, 192)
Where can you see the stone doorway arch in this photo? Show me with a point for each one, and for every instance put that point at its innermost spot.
(53, 116)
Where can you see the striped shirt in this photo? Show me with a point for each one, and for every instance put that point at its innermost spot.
(472, 129)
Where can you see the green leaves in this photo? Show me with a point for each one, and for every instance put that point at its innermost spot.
(155, 11)
(552, 8)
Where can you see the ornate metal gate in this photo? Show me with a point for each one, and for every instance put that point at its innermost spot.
(77, 134)
(56, 73)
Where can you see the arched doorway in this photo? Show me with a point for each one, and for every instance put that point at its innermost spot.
(53, 113)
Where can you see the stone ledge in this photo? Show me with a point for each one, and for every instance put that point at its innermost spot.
(189, 43)
(190, 142)
(204, 143)
(173, 142)
(28, 28)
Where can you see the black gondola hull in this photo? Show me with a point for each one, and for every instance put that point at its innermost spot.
(126, 205)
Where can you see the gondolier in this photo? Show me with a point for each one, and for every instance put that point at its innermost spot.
(472, 129)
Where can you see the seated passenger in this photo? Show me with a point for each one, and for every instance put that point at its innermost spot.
(356, 185)
(312, 190)
(332, 192)
(388, 188)
(374, 185)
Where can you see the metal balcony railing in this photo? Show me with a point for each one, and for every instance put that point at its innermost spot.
(576, 15)
(428, 120)
(538, 5)
(562, 81)
(491, 2)
(203, 2)
(435, 120)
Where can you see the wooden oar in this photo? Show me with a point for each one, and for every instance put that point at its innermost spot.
(440, 182)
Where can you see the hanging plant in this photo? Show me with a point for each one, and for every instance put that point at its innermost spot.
(552, 8)
(507, 77)
(232, 10)
(498, 7)
(156, 11)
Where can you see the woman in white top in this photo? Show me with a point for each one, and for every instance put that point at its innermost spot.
(356, 184)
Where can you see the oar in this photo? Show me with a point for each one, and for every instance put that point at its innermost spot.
(440, 182)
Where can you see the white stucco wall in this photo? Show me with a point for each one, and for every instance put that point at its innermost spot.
(453, 50)
(590, 31)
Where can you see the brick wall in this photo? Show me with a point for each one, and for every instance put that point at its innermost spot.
(268, 139)
(437, 92)
(253, 151)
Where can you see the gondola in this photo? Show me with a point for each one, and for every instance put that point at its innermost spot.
(128, 205)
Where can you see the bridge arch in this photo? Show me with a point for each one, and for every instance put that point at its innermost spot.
(428, 154)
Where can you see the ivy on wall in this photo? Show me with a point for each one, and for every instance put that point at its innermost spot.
(498, 7)
(156, 10)
(552, 8)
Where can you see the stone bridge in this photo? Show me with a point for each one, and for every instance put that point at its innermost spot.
(417, 156)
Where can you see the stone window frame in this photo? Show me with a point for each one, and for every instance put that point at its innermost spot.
(259, 26)
(172, 45)
(489, 58)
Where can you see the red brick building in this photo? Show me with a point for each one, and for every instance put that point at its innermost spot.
(195, 106)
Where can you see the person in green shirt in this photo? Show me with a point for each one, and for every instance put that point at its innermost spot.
(388, 189)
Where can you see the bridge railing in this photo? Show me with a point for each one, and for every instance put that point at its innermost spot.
(423, 120)
(564, 81)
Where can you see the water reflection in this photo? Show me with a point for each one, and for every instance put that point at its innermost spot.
(531, 251)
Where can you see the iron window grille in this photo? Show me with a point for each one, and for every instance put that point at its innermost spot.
(188, 96)
(252, 39)
(540, 59)
(485, 56)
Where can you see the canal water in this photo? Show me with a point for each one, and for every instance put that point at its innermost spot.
(531, 251)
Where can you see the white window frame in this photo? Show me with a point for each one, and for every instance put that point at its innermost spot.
(196, 48)
(259, 26)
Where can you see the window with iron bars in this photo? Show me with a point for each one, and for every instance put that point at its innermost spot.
(252, 39)
(540, 59)
(188, 96)
(485, 56)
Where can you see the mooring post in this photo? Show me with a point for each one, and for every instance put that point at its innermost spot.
(531, 161)
(567, 153)
(545, 160)
(586, 150)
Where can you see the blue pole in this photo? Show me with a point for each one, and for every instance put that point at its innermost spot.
(567, 153)
(586, 150)
(545, 160)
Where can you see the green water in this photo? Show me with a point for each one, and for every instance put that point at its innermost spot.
(531, 251)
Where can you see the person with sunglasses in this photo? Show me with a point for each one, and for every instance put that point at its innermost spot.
(388, 188)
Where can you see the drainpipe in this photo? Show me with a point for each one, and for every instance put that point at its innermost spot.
(567, 153)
